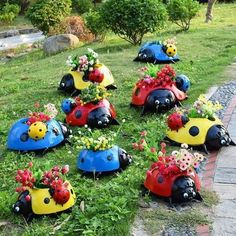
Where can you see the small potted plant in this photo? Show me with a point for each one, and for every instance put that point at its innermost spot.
(85, 70)
(99, 154)
(198, 126)
(158, 52)
(174, 176)
(159, 91)
(43, 193)
(39, 131)
(91, 107)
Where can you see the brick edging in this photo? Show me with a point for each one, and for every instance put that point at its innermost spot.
(209, 172)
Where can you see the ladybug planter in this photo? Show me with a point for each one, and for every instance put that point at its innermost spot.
(96, 114)
(103, 161)
(205, 132)
(38, 132)
(160, 94)
(52, 196)
(84, 71)
(173, 177)
(158, 53)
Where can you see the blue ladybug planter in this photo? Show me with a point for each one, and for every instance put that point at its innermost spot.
(20, 136)
(109, 160)
(157, 53)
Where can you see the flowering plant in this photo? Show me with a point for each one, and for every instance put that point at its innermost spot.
(203, 108)
(170, 41)
(83, 63)
(52, 178)
(177, 162)
(49, 112)
(93, 93)
(151, 76)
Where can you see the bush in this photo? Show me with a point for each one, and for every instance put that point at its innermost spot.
(73, 25)
(181, 12)
(48, 13)
(9, 12)
(131, 19)
(95, 23)
(82, 6)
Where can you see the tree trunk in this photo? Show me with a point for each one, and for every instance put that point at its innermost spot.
(209, 15)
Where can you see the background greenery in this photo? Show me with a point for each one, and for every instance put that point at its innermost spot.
(110, 202)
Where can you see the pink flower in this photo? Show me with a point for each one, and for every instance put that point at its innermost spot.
(195, 165)
(30, 164)
(143, 133)
(183, 166)
(140, 147)
(65, 169)
(135, 146)
(152, 149)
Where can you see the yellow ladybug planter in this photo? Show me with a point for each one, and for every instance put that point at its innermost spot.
(198, 127)
(49, 195)
(85, 70)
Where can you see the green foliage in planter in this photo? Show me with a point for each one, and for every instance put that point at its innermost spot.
(181, 12)
(9, 12)
(48, 13)
(132, 19)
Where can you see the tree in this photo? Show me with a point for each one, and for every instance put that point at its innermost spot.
(181, 12)
(209, 15)
(45, 14)
(132, 19)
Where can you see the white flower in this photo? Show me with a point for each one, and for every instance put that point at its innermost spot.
(69, 152)
(123, 120)
(86, 126)
(89, 130)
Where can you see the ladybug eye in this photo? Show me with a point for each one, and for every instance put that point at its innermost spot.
(185, 195)
(223, 142)
(167, 100)
(157, 102)
(99, 122)
(194, 194)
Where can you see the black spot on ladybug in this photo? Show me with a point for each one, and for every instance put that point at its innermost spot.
(40, 130)
(194, 131)
(82, 160)
(137, 91)
(71, 191)
(109, 158)
(78, 114)
(174, 50)
(160, 179)
(46, 200)
(24, 137)
(36, 137)
(170, 46)
(35, 124)
(58, 190)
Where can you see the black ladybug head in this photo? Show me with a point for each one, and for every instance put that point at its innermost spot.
(67, 83)
(99, 118)
(160, 100)
(146, 55)
(124, 158)
(184, 190)
(22, 206)
(65, 130)
(217, 136)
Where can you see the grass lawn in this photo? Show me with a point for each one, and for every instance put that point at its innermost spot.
(110, 202)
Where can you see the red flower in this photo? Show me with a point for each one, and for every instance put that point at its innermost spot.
(152, 149)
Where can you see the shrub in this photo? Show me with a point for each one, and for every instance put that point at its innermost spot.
(73, 25)
(181, 12)
(48, 13)
(9, 12)
(82, 6)
(131, 19)
(95, 23)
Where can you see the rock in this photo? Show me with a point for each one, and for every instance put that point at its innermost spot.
(58, 43)
(10, 55)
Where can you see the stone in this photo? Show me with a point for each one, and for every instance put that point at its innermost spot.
(226, 157)
(58, 43)
(224, 226)
(225, 175)
(225, 191)
(226, 209)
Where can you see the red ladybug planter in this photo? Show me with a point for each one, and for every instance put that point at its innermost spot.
(174, 176)
(158, 94)
(181, 187)
(100, 114)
